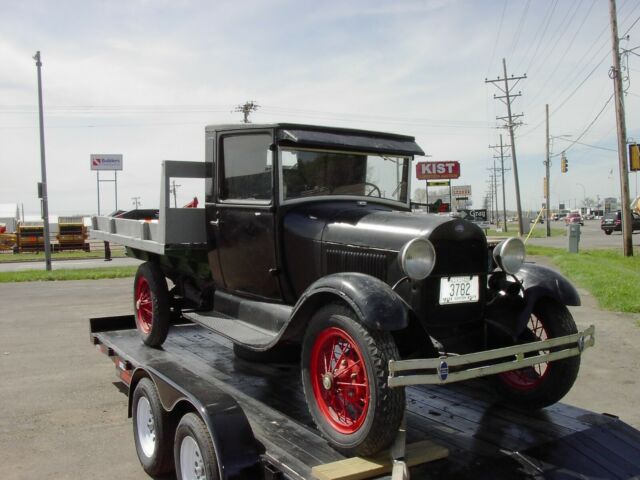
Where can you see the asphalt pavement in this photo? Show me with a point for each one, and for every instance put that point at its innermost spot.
(69, 264)
(591, 236)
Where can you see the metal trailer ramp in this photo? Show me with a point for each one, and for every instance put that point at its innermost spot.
(484, 440)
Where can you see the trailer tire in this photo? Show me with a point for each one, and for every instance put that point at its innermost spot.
(151, 304)
(193, 451)
(153, 429)
(347, 390)
(544, 384)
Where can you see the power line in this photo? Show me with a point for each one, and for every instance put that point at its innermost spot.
(495, 44)
(518, 32)
(584, 132)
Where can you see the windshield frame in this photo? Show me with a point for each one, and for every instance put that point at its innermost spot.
(366, 198)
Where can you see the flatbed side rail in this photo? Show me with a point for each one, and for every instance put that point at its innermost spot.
(175, 226)
(456, 368)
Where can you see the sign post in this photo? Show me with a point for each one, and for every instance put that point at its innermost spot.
(111, 162)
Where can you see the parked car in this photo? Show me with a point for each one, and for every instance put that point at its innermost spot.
(573, 217)
(612, 222)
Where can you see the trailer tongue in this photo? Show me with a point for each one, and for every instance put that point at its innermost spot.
(261, 428)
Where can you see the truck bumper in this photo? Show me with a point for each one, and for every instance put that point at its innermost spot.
(456, 368)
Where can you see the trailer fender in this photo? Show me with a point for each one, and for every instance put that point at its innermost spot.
(375, 304)
(540, 282)
(236, 448)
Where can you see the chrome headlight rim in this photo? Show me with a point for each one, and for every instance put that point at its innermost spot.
(507, 255)
(410, 247)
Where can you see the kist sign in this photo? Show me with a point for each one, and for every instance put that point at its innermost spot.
(437, 170)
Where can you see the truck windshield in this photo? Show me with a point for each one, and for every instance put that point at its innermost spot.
(310, 173)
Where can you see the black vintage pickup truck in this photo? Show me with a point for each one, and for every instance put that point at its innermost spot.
(307, 249)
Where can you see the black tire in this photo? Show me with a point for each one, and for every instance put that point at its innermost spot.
(155, 455)
(374, 427)
(192, 428)
(279, 354)
(151, 304)
(607, 232)
(534, 387)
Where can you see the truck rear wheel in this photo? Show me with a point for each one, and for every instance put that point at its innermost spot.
(152, 429)
(544, 384)
(344, 375)
(151, 304)
(194, 455)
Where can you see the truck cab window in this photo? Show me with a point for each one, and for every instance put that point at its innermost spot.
(247, 168)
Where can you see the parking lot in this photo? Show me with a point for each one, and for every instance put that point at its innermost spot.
(63, 415)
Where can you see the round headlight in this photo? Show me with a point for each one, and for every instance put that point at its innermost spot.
(509, 255)
(417, 258)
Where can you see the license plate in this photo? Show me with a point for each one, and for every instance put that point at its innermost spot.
(459, 290)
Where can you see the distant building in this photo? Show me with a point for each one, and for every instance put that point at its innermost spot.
(9, 216)
(611, 204)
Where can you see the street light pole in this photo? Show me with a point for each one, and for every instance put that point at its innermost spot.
(43, 167)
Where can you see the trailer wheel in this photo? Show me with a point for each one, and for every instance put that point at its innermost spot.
(152, 429)
(344, 375)
(151, 304)
(544, 384)
(194, 455)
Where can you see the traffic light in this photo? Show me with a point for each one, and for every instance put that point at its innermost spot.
(634, 157)
(564, 164)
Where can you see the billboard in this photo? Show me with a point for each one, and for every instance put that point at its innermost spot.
(461, 190)
(437, 170)
(106, 161)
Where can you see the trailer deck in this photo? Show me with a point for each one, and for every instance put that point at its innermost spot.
(484, 440)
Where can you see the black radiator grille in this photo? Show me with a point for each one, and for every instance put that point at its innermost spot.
(371, 263)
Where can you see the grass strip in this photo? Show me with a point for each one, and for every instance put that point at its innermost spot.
(69, 274)
(609, 276)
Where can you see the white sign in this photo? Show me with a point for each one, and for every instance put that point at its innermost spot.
(461, 190)
(105, 161)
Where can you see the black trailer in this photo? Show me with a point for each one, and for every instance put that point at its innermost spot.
(259, 425)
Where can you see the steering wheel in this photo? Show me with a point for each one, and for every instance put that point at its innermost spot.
(373, 189)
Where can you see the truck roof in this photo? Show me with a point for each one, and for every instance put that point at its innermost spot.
(322, 135)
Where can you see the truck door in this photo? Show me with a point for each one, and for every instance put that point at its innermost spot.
(243, 218)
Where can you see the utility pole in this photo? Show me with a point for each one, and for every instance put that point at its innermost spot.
(615, 74)
(507, 98)
(136, 202)
(246, 109)
(547, 163)
(501, 155)
(172, 190)
(43, 167)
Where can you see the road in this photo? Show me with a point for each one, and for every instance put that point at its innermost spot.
(591, 236)
(68, 264)
(64, 417)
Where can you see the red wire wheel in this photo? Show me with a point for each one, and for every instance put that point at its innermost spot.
(339, 380)
(345, 371)
(530, 378)
(544, 384)
(151, 304)
(143, 305)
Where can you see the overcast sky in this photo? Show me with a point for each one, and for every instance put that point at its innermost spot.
(143, 78)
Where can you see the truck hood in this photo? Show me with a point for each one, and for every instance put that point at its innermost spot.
(370, 226)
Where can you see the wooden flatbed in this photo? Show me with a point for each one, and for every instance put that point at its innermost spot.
(484, 440)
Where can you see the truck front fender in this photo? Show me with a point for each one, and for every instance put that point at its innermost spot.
(375, 304)
(540, 282)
